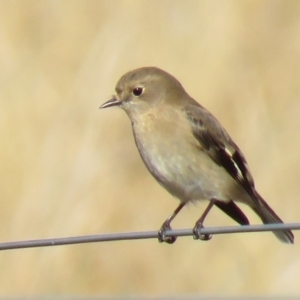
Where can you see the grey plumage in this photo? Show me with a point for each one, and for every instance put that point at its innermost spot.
(186, 149)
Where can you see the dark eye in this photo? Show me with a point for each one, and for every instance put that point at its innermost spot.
(138, 91)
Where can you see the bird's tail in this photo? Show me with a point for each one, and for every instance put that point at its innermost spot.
(268, 216)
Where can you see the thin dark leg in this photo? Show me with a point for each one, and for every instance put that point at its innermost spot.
(167, 226)
(199, 224)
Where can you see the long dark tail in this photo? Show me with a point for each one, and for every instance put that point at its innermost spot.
(268, 216)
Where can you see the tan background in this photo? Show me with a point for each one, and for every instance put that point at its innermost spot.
(69, 169)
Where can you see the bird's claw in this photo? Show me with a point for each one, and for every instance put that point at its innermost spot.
(197, 235)
(162, 238)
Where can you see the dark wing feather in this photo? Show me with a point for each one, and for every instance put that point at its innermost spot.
(233, 211)
(213, 139)
(219, 146)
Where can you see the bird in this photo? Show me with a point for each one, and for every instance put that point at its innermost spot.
(188, 151)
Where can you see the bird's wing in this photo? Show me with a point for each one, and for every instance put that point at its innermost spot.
(233, 211)
(217, 143)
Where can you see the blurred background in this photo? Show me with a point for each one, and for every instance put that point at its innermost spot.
(69, 169)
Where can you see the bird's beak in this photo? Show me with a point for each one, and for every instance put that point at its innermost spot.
(112, 102)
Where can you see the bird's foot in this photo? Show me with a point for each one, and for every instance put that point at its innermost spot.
(197, 235)
(162, 238)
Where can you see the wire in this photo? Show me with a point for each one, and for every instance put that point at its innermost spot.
(143, 235)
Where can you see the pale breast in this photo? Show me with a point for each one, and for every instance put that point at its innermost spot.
(177, 161)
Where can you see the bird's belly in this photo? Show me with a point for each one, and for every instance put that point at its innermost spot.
(187, 173)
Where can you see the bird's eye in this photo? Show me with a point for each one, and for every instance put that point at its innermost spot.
(138, 91)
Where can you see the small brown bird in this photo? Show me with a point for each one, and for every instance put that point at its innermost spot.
(187, 150)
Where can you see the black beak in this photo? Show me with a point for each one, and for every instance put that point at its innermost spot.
(111, 102)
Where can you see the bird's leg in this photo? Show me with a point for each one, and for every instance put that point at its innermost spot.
(167, 226)
(199, 224)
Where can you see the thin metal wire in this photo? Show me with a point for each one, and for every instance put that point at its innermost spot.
(143, 235)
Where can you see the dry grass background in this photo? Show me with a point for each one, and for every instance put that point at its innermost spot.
(68, 168)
